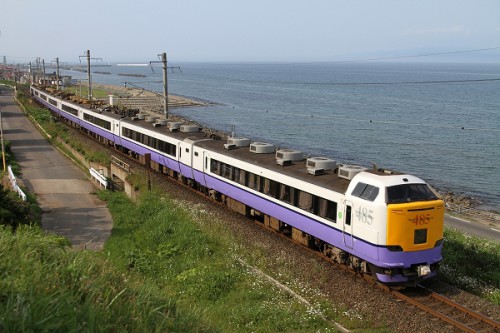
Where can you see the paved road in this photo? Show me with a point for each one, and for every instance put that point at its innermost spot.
(63, 190)
(471, 228)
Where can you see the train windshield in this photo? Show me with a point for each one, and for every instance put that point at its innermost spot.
(410, 193)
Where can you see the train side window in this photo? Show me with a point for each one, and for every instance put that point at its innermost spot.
(195, 153)
(284, 192)
(250, 180)
(257, 185)
(274, 189)
(236, 174)
(214, 166)
(266, 189)
(289, 194)
(327, 209)
(305, 201)
(315, 205)
(227, 171)
(348, 215)
(271, 188)
(243, 177)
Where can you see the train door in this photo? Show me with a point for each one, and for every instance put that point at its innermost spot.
(186, 158)
(198, 163)
(347, 225)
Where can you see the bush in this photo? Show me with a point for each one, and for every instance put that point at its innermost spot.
(15, 212)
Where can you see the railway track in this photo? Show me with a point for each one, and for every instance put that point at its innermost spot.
(457, 316)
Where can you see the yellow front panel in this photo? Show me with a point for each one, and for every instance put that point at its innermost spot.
(416, 225)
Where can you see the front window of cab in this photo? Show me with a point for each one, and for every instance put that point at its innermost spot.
(410, 193)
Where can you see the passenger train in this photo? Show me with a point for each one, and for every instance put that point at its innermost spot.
(379, 222)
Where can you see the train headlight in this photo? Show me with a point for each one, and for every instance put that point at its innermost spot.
(423, 270)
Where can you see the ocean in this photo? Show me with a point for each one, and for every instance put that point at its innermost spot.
(438, 121)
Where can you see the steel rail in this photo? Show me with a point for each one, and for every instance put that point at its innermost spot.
(461, 326)
(487, 320)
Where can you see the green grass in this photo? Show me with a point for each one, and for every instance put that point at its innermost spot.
(46, 287)
(96, 93)
(472, 264)
(191, 256)
(7, 83)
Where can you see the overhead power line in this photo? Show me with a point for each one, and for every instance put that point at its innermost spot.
(422, 55)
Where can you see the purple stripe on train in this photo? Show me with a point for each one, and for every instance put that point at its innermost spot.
(377, 255)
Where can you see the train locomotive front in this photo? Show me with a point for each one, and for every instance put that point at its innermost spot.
(407, 217)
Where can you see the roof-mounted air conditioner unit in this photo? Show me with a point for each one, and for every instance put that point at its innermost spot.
(287, 156)
(238, 141)
(349, 171)
(190, 128)
(151, 119)
(160, 122)
(262, 148)
(321, 163)
(174, 126)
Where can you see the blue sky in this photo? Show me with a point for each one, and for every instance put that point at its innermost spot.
(246, 30)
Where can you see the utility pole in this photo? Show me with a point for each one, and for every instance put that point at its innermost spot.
(31, 74)
(165, 84)
(87, 55)
(88, 74)
(3, 146)
(163, 60)
(57, 73)
(37, 72)
(43, 68)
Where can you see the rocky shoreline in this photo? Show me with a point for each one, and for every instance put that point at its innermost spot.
(128, 92)
(463, 206)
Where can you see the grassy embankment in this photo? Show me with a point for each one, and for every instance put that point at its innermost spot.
(173, 268)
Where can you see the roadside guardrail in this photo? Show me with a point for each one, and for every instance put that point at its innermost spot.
(13, 184)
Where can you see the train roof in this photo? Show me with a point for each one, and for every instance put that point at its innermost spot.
(298, 169)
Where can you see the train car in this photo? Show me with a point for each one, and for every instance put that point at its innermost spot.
(376, 221)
